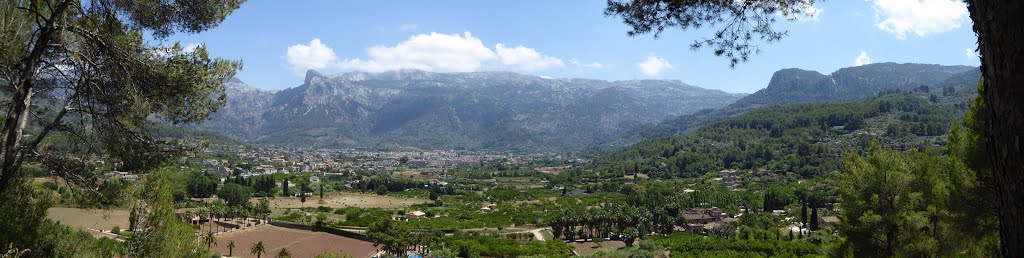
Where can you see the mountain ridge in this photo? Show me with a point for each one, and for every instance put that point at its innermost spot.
(476, 110)
(792, 85)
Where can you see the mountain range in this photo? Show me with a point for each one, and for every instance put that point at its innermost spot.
(477, 110)
(792, 86)
(515, 112)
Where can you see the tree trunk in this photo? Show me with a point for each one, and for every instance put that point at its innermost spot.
(1000, 30)
(21, 99)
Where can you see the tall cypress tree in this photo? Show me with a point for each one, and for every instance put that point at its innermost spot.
(803, 212)
(284, 187)
(814, 218)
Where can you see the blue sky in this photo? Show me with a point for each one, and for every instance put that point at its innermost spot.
(278, 40)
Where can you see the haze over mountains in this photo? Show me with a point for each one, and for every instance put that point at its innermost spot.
(508, 111)
(479, 110)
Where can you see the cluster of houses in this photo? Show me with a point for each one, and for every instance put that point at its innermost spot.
(729, 179)
(699, 220)
(272, 160)
(120, 175)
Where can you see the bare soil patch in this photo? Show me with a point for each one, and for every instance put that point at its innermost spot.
(342, 200)
(420, 173)
(552, 170)
(583, 248)
(89, 218)
(300, 243)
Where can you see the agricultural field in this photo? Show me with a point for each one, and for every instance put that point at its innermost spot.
(584, 248)
(300, 243)
(89, 218)
(342, 200)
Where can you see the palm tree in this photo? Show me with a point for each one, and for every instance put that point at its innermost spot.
(209, 240)
(258, 249)
(283, 254)
(203, 214)
(231, 248)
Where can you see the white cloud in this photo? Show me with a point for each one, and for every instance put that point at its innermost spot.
(408, 26)
(191, 47)
(921, 17)
(593, 65)
(437, 52)
(316, 55)
(862, 59)
(429, 52)
(653, 65)
(971, 54)
(526, 59)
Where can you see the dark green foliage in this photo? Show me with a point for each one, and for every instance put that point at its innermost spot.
(801, 138)
(654, 210)
(777, 199)
(128, 79)
(759, 220)
(23, 215)
(630, 235)
(133, 219)
(234, 195)
(935, 206)
(284, 187)
(691, 245)
(162, 233)
(975, 187)
(201, 185)
(489, 246)
(814, 219)
(908, 204)
(106, 108)
(734, 41)
(389, 236)
(803, 213)
(263, 185)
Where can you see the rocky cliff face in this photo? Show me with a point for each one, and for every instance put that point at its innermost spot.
(851, 83)
(480, 110)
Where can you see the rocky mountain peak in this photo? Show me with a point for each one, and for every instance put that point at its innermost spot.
(794, 79)
(311, 75)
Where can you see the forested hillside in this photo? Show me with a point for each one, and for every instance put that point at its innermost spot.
(791, 86)
(801, 138)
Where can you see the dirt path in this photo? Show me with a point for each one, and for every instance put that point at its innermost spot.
(538, 235)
